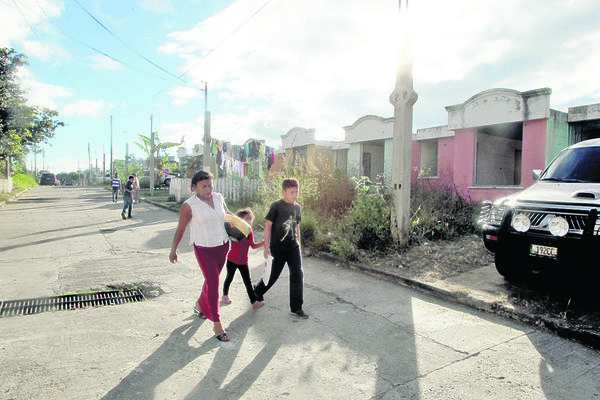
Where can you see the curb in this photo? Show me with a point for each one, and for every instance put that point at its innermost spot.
(159, 205)
(14, 196)
(560, 327)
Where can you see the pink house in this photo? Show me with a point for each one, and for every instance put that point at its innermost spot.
(492, 144)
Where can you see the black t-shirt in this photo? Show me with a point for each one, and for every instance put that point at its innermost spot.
(285, 218)
(128, 185)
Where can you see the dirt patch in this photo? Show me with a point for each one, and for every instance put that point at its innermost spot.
(437, 260)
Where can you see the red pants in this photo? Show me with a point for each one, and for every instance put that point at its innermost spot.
(211, 261)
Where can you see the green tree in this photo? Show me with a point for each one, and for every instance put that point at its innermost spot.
(11, 105)
(21, 126)
(145, 144)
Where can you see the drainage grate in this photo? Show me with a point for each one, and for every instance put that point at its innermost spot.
(69, 302)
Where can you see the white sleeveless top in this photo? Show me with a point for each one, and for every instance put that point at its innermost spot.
(207, 226)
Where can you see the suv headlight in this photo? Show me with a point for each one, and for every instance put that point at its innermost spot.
(492, 213)
(558, 226)
(521, 223)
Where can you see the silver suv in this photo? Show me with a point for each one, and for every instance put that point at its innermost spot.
(552, 224)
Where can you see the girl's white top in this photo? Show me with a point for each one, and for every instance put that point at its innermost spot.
(207, 227)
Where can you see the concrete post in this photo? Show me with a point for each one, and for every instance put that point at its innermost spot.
(403, 98)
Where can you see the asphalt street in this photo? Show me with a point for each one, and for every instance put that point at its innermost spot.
(366, 338)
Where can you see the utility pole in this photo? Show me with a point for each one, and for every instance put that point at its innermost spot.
(206, 152)
(89, 164)
(151, 157)
(103, 164)
(403, 98)
(111, 150)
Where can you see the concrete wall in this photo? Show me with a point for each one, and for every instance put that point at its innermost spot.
(557, 137)
(6, 185)
(464, 156)
(534, 149)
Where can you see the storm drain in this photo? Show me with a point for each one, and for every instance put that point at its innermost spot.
(69, 302)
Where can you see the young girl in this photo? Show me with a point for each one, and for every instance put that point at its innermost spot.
(237, 258)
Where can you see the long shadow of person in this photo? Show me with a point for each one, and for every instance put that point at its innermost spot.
(172, 356)
(210, 386)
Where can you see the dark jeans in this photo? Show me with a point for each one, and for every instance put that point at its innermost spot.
(294, 261)
(245, 272)
(127, 204)
(115, 193)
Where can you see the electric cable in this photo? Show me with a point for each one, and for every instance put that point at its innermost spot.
(125, 44)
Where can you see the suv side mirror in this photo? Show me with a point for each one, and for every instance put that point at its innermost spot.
(536, 174)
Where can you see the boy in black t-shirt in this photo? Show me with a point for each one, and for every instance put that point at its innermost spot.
(127, 199)
(282, 241)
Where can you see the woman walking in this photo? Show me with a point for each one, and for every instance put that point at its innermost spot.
(205, 213)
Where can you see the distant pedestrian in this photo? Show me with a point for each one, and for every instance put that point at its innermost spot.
(127, 197)
(136, 189)
(282, 241)
(237, 259)
(116, 185)
(205, 213)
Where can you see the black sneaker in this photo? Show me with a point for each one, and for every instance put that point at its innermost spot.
(123, 215)
(300, 314)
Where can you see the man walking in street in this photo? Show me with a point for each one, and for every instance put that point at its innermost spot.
(116, 185)
(127, 198)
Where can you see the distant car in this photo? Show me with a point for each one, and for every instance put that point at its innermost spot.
(167, 180)
(554, 223)
(48, 178)
(68, 182)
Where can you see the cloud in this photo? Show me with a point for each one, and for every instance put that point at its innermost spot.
(328, 63)
(43, 51)
(105, 63)
(18, 18)
(39, 93)
(87, 108)
(182, 95)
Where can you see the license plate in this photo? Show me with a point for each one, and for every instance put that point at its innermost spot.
(544, 251)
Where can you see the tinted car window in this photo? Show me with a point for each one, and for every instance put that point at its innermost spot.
(579, 164)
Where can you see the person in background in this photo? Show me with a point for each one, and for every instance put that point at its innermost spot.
(237, 258)
(116, 185)
(282, 241)
(136, 189)
(127, 197)
(205, 213)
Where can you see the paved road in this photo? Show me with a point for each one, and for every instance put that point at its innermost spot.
(366, 338)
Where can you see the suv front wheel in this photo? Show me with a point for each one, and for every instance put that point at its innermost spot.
(512, 268)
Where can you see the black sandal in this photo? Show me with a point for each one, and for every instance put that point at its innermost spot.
(223, 337)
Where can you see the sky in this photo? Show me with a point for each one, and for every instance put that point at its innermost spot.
(117, 69)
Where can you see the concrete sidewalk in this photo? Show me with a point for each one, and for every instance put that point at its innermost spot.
(366, 338)
(484, 289)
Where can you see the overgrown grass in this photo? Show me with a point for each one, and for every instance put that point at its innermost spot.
(20, 183)
(351, 218)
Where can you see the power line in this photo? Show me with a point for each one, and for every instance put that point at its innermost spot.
(250, 17)
(126, 45)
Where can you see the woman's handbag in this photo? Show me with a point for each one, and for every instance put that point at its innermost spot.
(236, 227)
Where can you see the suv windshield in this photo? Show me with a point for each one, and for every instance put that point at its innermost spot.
(580, 164)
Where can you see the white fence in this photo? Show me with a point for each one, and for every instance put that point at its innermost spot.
(231, 189)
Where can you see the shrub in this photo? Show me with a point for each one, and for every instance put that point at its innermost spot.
(344, 248)
(439, 211)
(308, 229)
(367, 223)
(144, 182)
